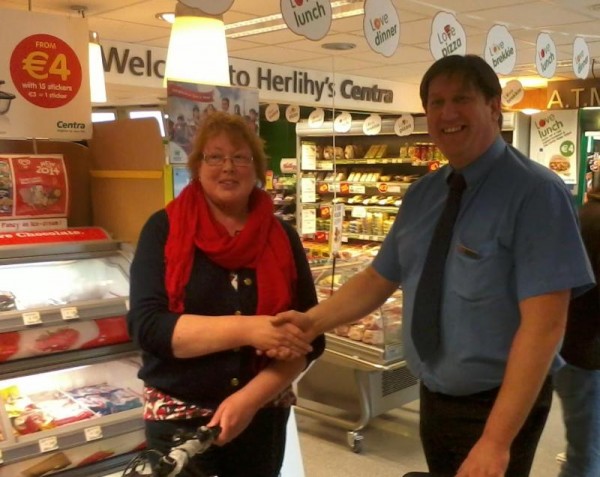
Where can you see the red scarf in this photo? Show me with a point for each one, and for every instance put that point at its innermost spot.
(262, 245)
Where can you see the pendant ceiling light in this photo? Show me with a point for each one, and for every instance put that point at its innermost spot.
(197, 48)
(97, 84)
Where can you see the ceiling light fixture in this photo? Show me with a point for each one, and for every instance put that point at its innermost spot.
(97, 83)
(197, 48)
(95, 64)
(339, 46)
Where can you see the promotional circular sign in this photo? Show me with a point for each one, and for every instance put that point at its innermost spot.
(212, 7)
(292, 113)
(307, 18)
(381, 26)
(372, 125)
(581, 58)
(545, 55)
(272, 112)
(500, 50)
(512, 93)
(316, 118)
(46, 71)
(447, 36)
(404, 125)
(342, 123)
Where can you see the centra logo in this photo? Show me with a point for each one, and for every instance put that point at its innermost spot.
(72, 126)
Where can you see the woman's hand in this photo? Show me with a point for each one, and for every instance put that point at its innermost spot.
(265, 335)
(233, 416)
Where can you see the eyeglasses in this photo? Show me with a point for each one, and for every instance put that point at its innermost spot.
(238, 160)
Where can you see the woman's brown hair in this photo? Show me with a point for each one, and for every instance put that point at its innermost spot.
(238, 131)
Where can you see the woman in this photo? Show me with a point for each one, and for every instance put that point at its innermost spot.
(208, 273)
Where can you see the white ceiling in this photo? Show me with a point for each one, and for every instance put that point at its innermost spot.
(134, 21)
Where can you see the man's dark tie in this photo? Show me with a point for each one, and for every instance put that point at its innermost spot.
(428, 298)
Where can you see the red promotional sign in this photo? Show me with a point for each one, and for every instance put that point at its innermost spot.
(75, 234)
(46, 71)
(40, 186)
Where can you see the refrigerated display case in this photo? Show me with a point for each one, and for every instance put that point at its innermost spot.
(362, 372)
(70, 400)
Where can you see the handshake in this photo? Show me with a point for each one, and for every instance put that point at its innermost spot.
(286, 336)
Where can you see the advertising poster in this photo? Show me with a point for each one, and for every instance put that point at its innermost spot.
(44, 79)
(33, 186)
(554, 142)
(189, 103)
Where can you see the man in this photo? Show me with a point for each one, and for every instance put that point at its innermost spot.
(578, 382)
(514, 259)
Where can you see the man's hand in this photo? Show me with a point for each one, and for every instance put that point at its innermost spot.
(486, 459)
(299, 325)
(265, 335)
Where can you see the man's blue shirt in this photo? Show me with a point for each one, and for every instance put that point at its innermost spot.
(516, 237)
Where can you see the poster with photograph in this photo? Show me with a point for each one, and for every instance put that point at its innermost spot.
(33, 186)
(189, 103)
(554, 142)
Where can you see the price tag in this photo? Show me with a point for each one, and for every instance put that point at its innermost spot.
(308, 189)
(371, 161)
(93, 433)
(69, 313)
(394, 189)
(48, 444)
(357, 189)
(309, 221)
(359, 212)
(335, 187)
(31, 318)
(127, 304)
(325, 166)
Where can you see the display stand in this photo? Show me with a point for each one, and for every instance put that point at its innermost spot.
(348, 391)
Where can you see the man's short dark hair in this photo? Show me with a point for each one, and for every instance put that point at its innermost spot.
(473, 69)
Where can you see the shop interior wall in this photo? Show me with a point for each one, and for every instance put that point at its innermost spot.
(77, 163)
(127, 175)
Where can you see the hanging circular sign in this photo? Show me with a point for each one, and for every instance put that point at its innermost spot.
(545, 55)
(581, 58)
(307, 18)
(212, 7)
(381, 26)
(447, 36)
(500, 50)
(512, 93)
(292, 113)
(272, 112)
(404, 125)
(316, 118)
(342, 123)
(372, 125)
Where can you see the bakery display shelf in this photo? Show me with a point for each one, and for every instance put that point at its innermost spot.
(70, 436)
(16, 320)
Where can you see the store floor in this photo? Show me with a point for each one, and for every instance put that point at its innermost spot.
(391, 446)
